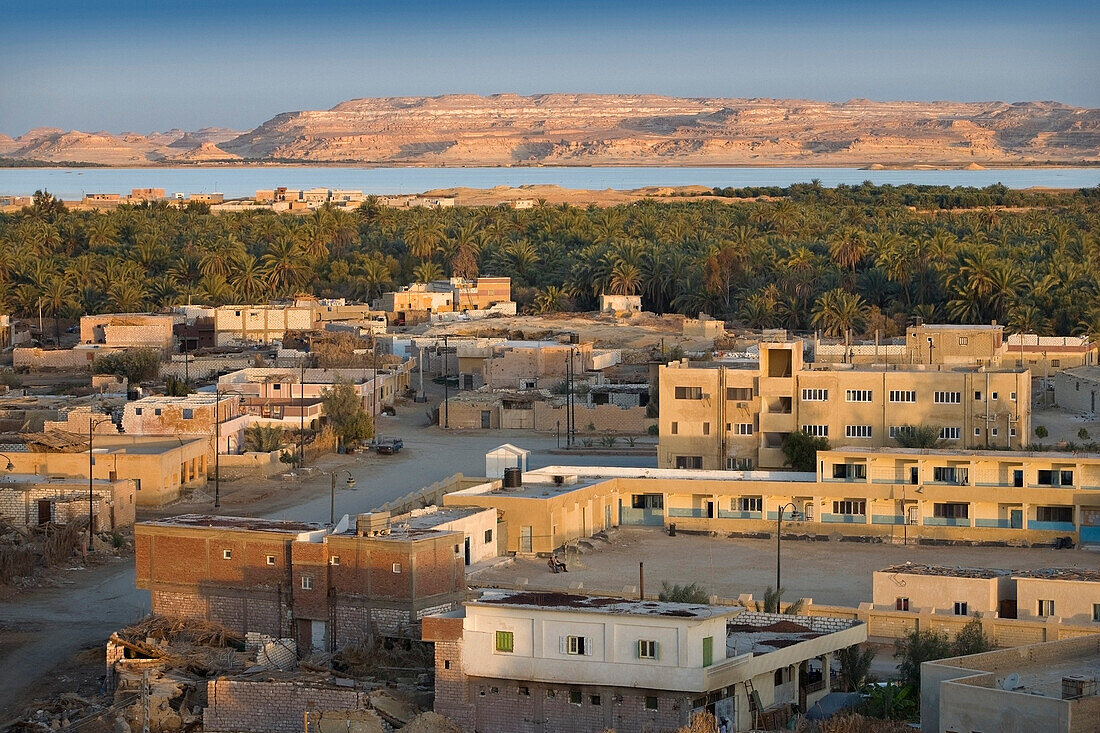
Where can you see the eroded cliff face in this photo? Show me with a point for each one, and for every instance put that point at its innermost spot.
(599, 129)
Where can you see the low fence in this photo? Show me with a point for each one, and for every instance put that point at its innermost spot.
(250, 464)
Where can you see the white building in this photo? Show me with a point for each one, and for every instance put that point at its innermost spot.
(516, 661)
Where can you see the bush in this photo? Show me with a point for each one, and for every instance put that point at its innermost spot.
(136, 365)
(917, 647)
(653, 430)
(690, 593)
(801, 450)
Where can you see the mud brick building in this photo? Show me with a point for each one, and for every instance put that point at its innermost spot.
(321, 586)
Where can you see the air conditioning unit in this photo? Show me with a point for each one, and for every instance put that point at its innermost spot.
(742, 405)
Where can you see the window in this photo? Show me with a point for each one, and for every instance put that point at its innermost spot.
(706, 428)
(397, 567)
(650, 702)
(1066, 478)
(156, 411)
(903, 395)
(1055, 478)
(817, 431)
(524, 690)
(227, 554)
(488, 536)
(961, 608)
(951, 510)
(689, 461)
(951, 475)
(575, 645)
(648, 501)
(747, 504)
(504, 642)
(1056, 362)
(994, 432)
(1054, 514)
(334, 560)
(1096, 612)
(738, 464)
(276, 387)
(270, 559)
(647, 649)
(977, 395)
(901, 604)
(949, 433)
(896, 430)
(675, 428)
(307, 582)
(992, 395)
(858, 395)
(575, 697)
(963, 340)
(977, 432)
(742, 428)
(446, 664)
(1012, 432)
(815, 395)
(594, 700)
(137, 410)
(777, 678)
(1012, 396)
(857, 431)
(850, 470)
(947, 398)
(188, 413)
(689, 393)
(850, 506)
(1046, 608)
(739, 394)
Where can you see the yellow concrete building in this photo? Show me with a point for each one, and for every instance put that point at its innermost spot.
(716, 416)
(896, 495)
(1068, 594)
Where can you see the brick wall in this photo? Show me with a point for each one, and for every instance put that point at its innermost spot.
(247, 706)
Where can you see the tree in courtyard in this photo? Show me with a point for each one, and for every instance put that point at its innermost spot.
(801, 450)
(176, 387)
(855, 665)
(264, 438)
(136, 365)
(773, 603)
(1041, 433)
(917, 647)
(971, 639)
(344, 412)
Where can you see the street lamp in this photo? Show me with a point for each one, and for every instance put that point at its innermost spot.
(10, 466)
(332, 497)
(92, 424)
(218, 439)
(795, 516)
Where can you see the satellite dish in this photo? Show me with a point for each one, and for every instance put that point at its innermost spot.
(1010, 682)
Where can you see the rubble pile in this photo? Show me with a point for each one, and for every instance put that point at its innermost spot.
(61, 713)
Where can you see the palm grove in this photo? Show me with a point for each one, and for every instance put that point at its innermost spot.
(859, 258)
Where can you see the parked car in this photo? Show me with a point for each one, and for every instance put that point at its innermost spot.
(388, 446)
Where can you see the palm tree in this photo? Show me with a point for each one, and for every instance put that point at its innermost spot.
(57, 300)
(552, 300)
(283, 265)
(427, 271)
(248, 278)
(839, 311)
(423, 237)
(626, 278)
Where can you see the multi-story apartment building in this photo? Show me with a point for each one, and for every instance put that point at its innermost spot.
(237, 324)
(522, 662)
(897, 495)
(715, 416)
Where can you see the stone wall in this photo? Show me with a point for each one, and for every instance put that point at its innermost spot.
(248, 706)
(602, 418)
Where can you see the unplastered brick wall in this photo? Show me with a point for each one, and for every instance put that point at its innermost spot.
(819, 624)
(254, 706)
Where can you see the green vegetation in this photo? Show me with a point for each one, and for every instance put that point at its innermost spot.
(32, 163)
(690, 593)
(853, 257)
(855, 665)
(264, 438)
(773, 603)
(176, 387)
(136, 365)
(919, 436)
(344, 412)
(801, 450)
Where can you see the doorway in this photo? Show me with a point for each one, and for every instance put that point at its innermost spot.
(45, 513)
(467, 550)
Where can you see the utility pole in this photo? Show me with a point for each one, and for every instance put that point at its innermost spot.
(302, 415)
(92, 423)
(446, 387)
(568, 402)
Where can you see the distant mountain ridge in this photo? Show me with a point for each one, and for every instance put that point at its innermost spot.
(612, 129)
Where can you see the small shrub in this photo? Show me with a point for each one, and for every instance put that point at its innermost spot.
(652, 430)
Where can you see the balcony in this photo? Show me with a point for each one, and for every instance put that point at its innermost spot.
(994, 523)
(776, 422)
(1051, 526)
(844, 518)
(888, 519)
(723, 514)
(947, 521)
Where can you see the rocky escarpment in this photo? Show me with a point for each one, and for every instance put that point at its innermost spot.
(609, 129)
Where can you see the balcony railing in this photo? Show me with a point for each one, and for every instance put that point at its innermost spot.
(844, 518)
(947, 521)
(1052, 526)
(723, 514)
(887, 519)
(994, 523)
(675, 511)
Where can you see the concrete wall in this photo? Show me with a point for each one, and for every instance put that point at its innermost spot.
(35, 359)
(113, 505)
(1073, 600)
(268, 706)
(128, 330)
(941, 593)
(1078, 391)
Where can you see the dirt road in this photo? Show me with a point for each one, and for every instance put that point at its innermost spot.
(45, 628)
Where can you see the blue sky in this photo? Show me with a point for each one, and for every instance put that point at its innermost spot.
(146, 66)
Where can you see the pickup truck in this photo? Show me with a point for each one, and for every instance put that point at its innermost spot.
(388, 446)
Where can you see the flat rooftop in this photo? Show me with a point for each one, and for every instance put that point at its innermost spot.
(440, 515)
(1039, 668)
(945, 571)
(555, 601)
(28, 481)
(1087, 575)
(241, 524)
